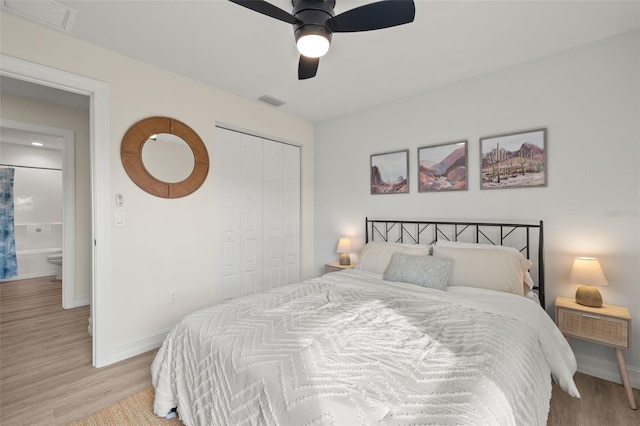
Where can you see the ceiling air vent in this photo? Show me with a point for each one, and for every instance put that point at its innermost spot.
(271, 100)
(49, 13)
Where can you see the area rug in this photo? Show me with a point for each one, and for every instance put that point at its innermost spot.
(135, 410)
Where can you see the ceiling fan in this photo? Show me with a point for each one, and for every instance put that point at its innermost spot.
(314, 21)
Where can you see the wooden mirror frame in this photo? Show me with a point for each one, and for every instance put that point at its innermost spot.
(131, 155)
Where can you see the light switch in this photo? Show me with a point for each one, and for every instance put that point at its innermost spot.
(119, 219)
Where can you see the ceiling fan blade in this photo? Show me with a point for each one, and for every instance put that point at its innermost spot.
(373, 16)
(268, 9)
(307, 67)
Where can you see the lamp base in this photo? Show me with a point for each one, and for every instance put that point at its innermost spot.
(588, 295)
(345, 259)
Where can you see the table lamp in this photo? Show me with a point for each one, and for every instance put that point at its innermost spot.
(344, 248)
(587, 271)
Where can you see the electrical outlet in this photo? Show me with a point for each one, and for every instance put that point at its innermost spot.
(173, 297)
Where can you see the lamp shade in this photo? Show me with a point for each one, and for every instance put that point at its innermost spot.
(344, 245)
(587, 271)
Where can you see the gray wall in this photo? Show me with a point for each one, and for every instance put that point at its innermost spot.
(587, 98)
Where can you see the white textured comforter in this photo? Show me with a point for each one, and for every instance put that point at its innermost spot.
(351, 349)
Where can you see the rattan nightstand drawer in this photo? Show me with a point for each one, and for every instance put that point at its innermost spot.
(599, 328)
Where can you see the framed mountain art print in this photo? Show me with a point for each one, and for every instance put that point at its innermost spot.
(389, 172)
(443, 167)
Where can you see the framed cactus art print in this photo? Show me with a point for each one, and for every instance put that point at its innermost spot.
(514, 160)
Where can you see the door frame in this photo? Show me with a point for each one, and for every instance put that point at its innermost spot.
(98, 91)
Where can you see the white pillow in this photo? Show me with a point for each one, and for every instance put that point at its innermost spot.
(376, 255)
(460, 244)
(425, 247)
(425, 271)
(490, 267)
(526, 263)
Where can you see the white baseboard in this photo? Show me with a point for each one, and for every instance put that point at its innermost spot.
(606, 370)
(81, 301)
(137, 347)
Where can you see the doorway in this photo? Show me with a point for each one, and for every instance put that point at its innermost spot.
(43, 158)
(99, 171)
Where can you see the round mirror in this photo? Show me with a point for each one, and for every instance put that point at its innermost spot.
(175, 167)
(167, 157)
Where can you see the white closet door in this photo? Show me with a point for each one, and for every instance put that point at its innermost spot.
(258, 214)
(251, 216)
(238, 171)
(227, 156)
(273, 187)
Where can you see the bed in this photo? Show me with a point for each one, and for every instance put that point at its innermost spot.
(403, 338)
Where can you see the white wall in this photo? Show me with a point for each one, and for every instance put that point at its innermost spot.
(39, 190)
(165, 245)
(588, 98)
(31, 111)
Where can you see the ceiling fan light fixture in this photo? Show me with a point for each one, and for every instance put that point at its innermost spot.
(313, 45)
(315, 21)
(313, 41)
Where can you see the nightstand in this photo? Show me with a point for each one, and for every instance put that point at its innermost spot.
(336, 266)
(609, 325)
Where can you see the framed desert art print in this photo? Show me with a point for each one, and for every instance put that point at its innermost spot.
(442, 167)
(514, 160)
(389, 172)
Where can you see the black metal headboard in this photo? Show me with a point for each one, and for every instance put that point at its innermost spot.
(521, 236)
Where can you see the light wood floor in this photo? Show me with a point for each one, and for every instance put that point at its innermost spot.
(46, 377)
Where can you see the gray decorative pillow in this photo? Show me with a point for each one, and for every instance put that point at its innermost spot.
(425, 271)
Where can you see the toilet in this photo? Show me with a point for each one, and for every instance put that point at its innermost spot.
(56, 259)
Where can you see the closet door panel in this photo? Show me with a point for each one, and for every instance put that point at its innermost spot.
(250, 281)
(291, 213)
(227, 217)
(273, 191)
(251, 216)
(230, 250)
(274, 276)
(257, 212)
(229, 284)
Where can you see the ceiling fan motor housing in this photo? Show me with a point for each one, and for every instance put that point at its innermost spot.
(312, 17)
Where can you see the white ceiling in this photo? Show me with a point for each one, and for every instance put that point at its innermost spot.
(23, 137)
(236, 49)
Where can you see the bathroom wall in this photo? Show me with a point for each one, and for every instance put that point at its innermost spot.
(38, 207)
(26, 110)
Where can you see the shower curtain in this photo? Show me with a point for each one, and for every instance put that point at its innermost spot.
(8, 261)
